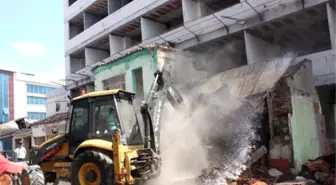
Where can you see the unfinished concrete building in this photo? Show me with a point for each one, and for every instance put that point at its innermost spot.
(246, 31)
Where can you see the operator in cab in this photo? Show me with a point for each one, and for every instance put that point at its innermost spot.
(112, 121)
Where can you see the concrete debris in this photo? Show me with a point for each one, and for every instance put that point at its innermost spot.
(297, 182)
(258, 154)
(274, 172)
(320, 171)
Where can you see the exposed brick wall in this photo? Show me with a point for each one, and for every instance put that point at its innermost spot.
(11, 95)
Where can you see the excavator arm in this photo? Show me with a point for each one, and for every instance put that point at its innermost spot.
(162, 89)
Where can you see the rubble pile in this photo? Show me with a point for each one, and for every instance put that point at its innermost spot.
(320, 171)
(254, 176)
(250, 176)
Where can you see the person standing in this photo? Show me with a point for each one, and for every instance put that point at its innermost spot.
(20, 152)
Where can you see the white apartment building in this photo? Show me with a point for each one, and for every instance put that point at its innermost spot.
(22, 95)
(30, 96)
(101, 30)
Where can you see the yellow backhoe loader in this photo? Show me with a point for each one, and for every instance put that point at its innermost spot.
(107, 142)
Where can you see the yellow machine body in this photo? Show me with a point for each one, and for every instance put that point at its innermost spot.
(119, 153)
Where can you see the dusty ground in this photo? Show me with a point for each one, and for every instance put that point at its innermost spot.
(61, 183)
(64, 183)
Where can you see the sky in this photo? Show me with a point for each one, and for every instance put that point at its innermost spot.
(32, 37)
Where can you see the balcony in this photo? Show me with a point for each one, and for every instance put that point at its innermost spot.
(128, 13)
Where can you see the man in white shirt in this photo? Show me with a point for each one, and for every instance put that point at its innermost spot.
(20, 152)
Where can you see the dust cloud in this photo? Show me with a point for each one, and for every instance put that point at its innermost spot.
(215, 132)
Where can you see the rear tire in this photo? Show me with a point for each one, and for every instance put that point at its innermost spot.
(94, 167)
(36, 175)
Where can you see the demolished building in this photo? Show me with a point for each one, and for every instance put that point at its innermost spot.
(291, 104)
(293, 128)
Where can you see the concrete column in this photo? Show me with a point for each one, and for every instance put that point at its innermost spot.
(118, 44)
(193, 9)
(66, 33)
(94, 55)
(151, 29)
(65, 4)
(258, 50)
(332, 25)
(91, 19)
(113, 5)
(90, 88)
(67, 65)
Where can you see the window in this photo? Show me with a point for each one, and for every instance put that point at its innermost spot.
(80, 118)
(32, 100)
(4, 97)
(37, 89)
(79, 124)
(105, 117)
(117, 82)
(36, 115)
(129, 121)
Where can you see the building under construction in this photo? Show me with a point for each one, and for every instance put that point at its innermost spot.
(248, 31)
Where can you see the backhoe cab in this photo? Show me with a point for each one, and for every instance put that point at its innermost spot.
(97, 119)
(98, 115)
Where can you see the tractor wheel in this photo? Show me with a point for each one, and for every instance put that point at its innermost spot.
(92, 168)
(36, 175)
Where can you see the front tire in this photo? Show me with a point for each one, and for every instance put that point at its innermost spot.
(92, 168)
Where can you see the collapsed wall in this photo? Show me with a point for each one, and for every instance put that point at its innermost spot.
(217, 128)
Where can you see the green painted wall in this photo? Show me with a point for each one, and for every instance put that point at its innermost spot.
(144, 59)
(305, 130)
